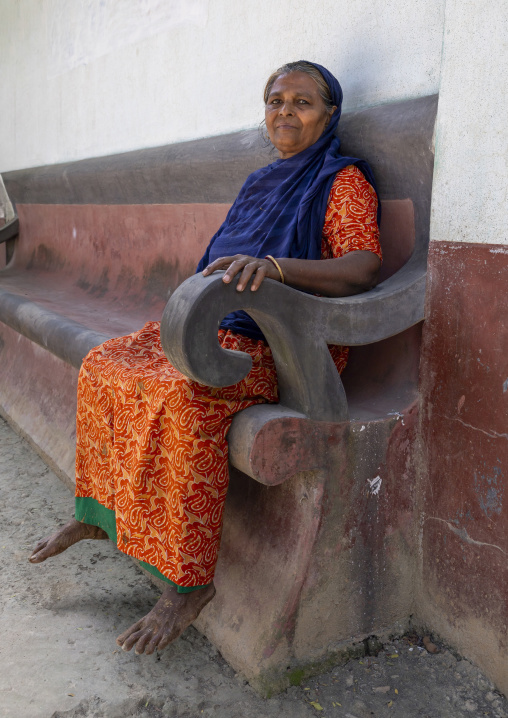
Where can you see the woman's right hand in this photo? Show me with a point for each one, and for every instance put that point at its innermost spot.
(254, 268)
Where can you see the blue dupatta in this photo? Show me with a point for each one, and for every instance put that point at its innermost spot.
(281, 208)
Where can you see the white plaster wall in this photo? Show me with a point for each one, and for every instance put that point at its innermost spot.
(83, 78)
(470, 191)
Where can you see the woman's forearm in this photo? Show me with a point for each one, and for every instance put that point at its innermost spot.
(353, 273)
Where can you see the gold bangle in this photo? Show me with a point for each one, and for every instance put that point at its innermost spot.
(274, 261)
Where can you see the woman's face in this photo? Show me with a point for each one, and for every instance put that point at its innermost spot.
(295, 113)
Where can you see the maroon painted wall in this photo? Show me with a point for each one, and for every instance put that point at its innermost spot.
(464, 453)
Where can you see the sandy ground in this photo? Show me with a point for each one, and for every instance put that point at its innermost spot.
(59, 621)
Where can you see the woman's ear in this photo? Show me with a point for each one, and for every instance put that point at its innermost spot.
(330, 113)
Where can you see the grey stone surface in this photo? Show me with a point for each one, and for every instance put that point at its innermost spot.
(59, 620)
(9, 230)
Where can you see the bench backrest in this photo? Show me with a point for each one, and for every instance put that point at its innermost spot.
(131, 227)
(196, 181)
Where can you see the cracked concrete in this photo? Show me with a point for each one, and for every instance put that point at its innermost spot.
(59, 621)
(463, 534)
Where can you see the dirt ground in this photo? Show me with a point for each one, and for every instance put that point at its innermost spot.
(59, 621)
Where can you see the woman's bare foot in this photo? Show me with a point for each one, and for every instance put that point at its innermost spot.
(167, 620)
(71, 533)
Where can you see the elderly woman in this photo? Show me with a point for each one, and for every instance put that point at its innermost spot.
(152, 452)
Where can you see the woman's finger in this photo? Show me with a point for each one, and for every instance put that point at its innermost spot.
(258, 278)
(220, 263)
(266, 270)
(235, 263)
(236, 266)
(250, 267)
(248, 270)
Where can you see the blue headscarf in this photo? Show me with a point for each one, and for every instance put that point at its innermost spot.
(281, 208)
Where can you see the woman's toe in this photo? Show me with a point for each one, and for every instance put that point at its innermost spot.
(125, 635)
(166, 638)
(131, 641)
(154, 643)
(40, 544)
(39, 554)
(143, 641)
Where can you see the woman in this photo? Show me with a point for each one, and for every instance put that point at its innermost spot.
(151, 469)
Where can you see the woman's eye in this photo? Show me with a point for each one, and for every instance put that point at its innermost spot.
(303, 102)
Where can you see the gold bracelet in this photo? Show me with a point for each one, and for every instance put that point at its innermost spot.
(274, 261)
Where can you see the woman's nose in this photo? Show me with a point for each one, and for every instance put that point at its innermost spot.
(286, 109)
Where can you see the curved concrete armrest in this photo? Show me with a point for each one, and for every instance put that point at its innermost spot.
(297, 326)
(271, 443)
(9, 230)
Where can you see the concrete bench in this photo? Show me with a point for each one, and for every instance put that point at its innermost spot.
(317, 552)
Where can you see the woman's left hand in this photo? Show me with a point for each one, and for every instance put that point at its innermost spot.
(248, 267)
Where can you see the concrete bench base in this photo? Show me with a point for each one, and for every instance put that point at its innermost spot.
(38, 398)
(337, 567)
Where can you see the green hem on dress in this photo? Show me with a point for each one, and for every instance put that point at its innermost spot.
(90, 511)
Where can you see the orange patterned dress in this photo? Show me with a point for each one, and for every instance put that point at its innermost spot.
(152, 452)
